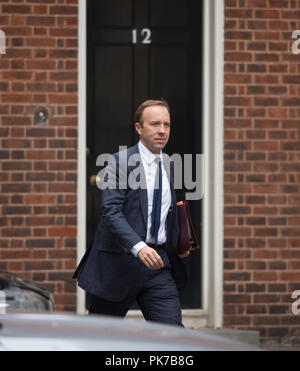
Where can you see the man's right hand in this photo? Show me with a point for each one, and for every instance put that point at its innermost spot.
(150, 258)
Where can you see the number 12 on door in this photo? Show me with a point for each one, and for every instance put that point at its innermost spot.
(145, 34)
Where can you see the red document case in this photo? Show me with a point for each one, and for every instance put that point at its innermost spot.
(187, 239)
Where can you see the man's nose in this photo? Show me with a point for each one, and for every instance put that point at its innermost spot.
(161, 129)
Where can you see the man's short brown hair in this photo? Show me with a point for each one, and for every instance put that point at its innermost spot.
(148, 103)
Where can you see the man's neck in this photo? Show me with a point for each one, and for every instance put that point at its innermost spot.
(157, 152)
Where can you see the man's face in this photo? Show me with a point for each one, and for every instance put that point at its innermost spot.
(155, 131)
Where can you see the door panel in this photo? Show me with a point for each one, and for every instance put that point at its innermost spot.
(123, 71)
(169, 13)
(112, 12)
(112, 108)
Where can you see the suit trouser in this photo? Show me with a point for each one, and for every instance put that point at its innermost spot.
(156, 295)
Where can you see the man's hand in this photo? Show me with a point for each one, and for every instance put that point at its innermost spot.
(150, 258)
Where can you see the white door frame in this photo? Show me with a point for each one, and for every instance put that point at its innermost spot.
(212, 243)
(81, 146)
(213, 126)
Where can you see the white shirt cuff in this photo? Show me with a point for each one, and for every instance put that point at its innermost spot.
(136, 248)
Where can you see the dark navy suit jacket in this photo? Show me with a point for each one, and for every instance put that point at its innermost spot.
(108, 269)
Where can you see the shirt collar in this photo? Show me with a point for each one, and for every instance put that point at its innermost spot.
(147, 155)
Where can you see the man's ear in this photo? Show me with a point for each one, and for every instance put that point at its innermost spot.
(138, 127)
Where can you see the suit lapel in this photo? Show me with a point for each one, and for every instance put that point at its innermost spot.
(143, 189)
(143, 195)
(144, 205)
(169, 167)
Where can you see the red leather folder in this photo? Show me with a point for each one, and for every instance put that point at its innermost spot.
(187, 239)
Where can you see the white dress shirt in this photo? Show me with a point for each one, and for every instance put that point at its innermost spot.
(150, 167)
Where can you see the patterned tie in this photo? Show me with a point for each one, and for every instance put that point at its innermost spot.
(156, 204)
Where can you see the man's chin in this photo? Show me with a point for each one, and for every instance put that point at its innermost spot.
(159, 146)
(156, 146)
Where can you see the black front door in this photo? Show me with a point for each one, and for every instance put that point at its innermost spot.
(138, 50)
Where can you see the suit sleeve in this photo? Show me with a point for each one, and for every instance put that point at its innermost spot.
(113, 199)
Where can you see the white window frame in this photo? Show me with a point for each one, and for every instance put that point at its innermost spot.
(211, 314)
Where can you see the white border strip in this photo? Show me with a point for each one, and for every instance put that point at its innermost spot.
(213, 120)
(81, 158)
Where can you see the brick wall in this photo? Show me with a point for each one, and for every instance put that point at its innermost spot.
(39, 163)
(262, 156)
(262, 168)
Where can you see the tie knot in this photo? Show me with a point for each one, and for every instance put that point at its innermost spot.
(157, 160)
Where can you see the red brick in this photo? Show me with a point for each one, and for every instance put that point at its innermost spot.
(264, 69)
(28, 208)
(261, 205)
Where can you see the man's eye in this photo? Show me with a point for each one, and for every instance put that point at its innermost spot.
(167, 125)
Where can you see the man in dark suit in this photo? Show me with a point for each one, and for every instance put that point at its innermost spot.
(134, 252)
